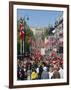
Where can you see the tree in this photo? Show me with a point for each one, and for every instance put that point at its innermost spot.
(27, 39)
(18, 37)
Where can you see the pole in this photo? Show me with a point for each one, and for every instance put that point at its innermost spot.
(22, 49)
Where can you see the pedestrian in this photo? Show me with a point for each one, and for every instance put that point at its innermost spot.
(61, 72)
(50, 72)
(56, 74)
(40, 71)
(29, 73)
(34, 75)
(45, 74)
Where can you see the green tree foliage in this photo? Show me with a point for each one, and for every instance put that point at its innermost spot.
(18, 37)
(28, 35)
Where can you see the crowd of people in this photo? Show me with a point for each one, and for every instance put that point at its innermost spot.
(32, 68)
(45, 60)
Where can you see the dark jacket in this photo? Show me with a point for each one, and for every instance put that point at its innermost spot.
(56, 75)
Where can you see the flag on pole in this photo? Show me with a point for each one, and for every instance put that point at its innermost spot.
(21, 29)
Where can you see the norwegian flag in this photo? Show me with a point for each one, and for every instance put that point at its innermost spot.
(21, 29)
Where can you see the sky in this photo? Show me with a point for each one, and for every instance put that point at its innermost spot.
(39, 18)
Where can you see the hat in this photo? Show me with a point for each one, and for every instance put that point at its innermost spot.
(45, 68)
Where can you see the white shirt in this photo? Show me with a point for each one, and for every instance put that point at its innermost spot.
(37, 70)
(61, 72)
(42, 51)
(50, 75)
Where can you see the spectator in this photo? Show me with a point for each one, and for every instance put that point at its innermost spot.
(61, 72)
(34, 75)
(50, 72)
(44, 74)
(29, 73)
(56, 74)
(40, 71)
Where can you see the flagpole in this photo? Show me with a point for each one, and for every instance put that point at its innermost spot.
(22, 48)
(22, 37)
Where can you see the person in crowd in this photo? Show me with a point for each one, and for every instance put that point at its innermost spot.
(21, 74)
(56, 74)
(29, 73)
(37, 70)
(34, 65)
(34, 75)
(45, 74)
(40, 71)
(50, 72)
(61, 71)
(28, 63)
